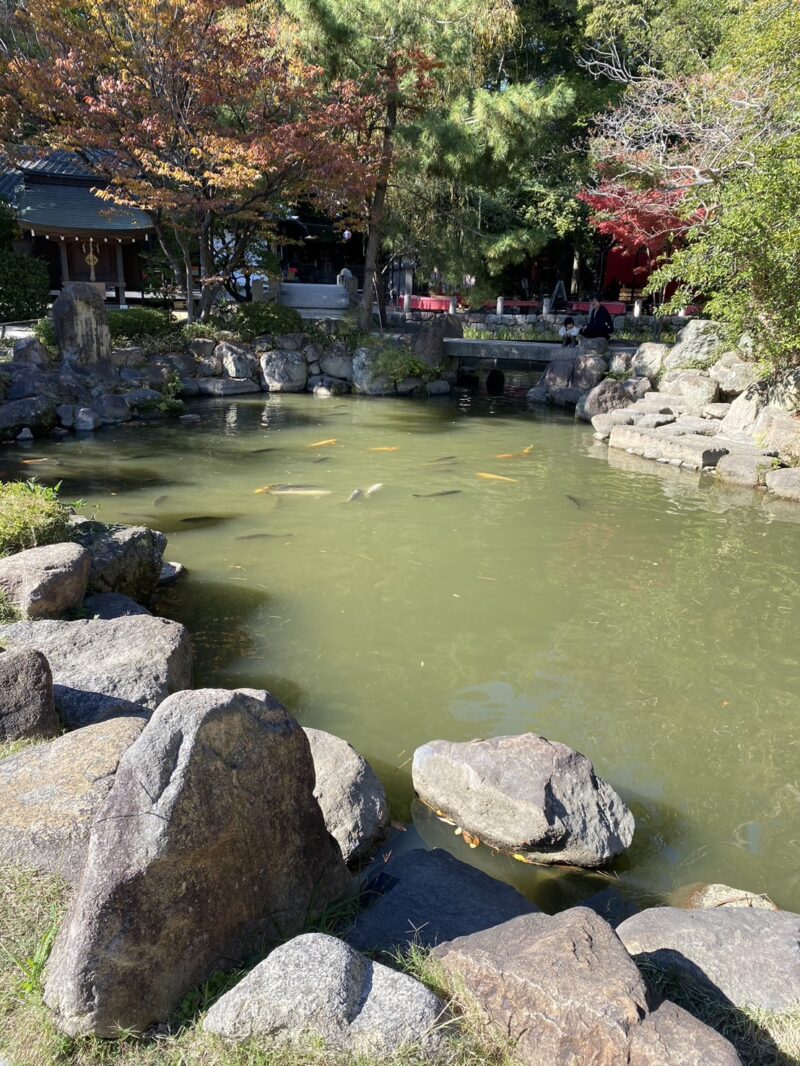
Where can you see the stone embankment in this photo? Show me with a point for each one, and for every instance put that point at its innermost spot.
(93, 384)
(200, 829)
(689, 406)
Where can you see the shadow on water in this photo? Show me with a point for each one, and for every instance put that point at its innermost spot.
(219, 617)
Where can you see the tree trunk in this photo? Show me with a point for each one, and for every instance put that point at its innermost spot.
(377, 211)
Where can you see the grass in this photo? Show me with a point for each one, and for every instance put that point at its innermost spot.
(31, 909)
(14, 747)
(31, 515)
(8, 610)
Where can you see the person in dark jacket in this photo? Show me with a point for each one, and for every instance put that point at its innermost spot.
(600, 323)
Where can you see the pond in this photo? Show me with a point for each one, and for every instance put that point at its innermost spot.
(627, 610)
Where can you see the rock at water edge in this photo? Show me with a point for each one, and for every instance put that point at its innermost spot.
(351, 796)
(427, 897)
(45, 582)
(525, 795)
(209, 846)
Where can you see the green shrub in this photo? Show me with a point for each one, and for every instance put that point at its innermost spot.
(399, 363)
(255, 319)
(46, 332)
(140, 322)
(24, 287)
(31, 515)
(213, 330)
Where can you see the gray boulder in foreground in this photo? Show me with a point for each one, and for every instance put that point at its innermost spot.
(427, 897)
(351, 796)
(209, 845)
(50, 793)
(744, 956)
(98, 664)
(108, 605)
(525, 795)
(26, 696)
(316, 987)
(125, 559)
(45, 582)
(564, 990)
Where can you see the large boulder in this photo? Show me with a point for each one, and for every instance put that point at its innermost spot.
(604, 423)
(112, 409)
(26, 697)
(104, 668)
(588, 371)
(697, 387)
(733, 374)
(81, 323)
(284, 371)
(698, 343)
(37, 414)
(539, 800)
(348, 790)
(50, 794)
(317, 987)
(428, 344)
(670, 1036)
(365, 379)
(692, 450)
(237, 360)
(608, 396)
(107, 605)
(784, 483)
(427, 897)
(209, 845)
(743, 956)
(564, 990)
(767, 414)
(648, 360)
(124, 559)
(337, 364)
(226, 386)
(45, 582)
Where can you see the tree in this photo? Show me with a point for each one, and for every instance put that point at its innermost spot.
(196, 114)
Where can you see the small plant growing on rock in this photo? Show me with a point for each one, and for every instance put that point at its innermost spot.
(256, 319)
(31, 515)
(396, 364)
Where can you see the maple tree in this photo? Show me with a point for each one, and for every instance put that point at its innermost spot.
(202, 116)
(636, 218)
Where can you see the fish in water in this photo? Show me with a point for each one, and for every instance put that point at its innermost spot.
(261, 451)
(497, 477)
(321, 459)
(387, 449)
(430, 495)
(573, 500)
(516, 455)
(356, 494)
(202, 520)
(264, 536)
(322, 443)
(445, 459)
(373, 489)
(159, 500)
(296, 490)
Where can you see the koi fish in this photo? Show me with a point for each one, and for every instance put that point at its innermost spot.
(322, 443)
(296, 490)
(430, 495)
(517, 455)
(497, 477)
(388, 449)
(373, 489)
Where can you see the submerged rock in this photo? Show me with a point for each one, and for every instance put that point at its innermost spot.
(739, 955)
(209, 845)
(701, 896)
(352, 799)
(527, 795)
(102, 667)
(427, 897)
(50, 794)
(45, 582)
(26, 697)
(317, 987)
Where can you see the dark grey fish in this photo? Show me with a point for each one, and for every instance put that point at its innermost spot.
(201, 520)
(430, 495)
(573, 500)
(445, 459)
(264, 536)
(321, 459)
(159, 500)
(260, 451)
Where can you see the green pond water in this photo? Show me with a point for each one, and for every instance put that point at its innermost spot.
(644, 617)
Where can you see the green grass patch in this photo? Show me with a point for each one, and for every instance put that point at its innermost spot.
(31, 909)
(31, 515)
(8, 610)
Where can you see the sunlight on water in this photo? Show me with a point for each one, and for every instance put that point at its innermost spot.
(619, 608)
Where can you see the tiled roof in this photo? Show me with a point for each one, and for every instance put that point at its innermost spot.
(69, 208)
(57, 164)
(11, 182)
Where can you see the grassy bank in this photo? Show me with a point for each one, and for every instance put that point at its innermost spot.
(31, 909)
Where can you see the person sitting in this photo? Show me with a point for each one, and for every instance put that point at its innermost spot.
(600, 323)
(569, 333)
